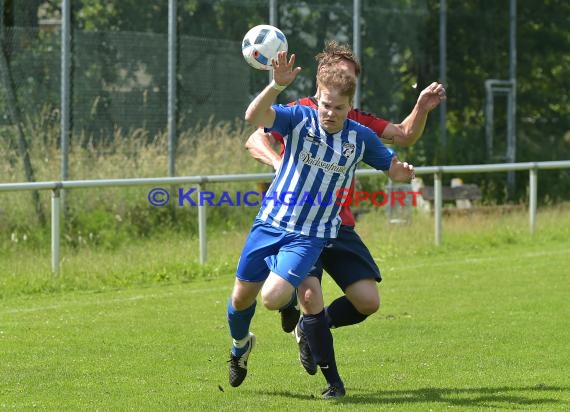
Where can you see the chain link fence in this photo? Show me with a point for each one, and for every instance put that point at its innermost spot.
(119, 87)
(119, 78)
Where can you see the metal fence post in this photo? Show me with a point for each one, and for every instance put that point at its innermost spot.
(437, 202)
(274, 21)
(438, 171)
(202, 227)
(171, 108)
(357, 45)
(55, 230)
(532, 199)
(443, 74)
(65, 91)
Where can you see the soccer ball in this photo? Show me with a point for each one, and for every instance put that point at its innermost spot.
(261, 44)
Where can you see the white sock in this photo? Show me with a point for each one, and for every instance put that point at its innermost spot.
(240, 343)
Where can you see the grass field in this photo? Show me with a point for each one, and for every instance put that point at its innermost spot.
(480, 323)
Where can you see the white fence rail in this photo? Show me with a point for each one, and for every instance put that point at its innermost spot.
(437, 171)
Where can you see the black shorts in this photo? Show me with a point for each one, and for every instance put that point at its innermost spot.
(346, 259)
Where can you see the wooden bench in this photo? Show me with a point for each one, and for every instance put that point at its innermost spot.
(465, 192)
(462, 194)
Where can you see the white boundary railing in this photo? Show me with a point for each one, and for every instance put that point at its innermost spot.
(437, 171)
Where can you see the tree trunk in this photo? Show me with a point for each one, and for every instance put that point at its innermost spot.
(14, 111)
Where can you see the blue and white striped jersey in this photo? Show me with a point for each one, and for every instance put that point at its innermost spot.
(316, 165)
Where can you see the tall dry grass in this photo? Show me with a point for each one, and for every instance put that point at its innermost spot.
(214, 148)
(110, 217)
(105, 216)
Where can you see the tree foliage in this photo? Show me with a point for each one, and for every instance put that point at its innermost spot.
(400, 48)
(477, 50)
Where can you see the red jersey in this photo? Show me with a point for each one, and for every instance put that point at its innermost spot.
(366, 119)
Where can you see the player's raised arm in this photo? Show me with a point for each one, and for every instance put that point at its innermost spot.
(259, 111)
(412, 127)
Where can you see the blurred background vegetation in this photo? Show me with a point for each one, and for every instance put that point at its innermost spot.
(119, 94)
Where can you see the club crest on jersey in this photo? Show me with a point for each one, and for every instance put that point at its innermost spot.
(348, 149)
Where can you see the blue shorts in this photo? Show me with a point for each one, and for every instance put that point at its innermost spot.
(270, 249)
(346, 259)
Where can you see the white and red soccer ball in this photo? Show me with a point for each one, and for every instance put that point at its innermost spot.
(261, 44)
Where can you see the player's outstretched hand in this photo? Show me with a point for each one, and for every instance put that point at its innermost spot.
(401, 171)
(284, 71)
(432, 96)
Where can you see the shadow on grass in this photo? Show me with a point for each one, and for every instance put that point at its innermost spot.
(481, 397)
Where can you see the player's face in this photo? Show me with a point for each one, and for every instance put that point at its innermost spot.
(333, 110)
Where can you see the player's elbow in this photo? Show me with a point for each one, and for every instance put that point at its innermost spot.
(259, 117)
(250, 116)
(409, 137)
(250, 143)
(254, 115)
(403, 136)
(256, 140)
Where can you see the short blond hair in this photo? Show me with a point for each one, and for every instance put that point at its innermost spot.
(335, 52)
(333, 78)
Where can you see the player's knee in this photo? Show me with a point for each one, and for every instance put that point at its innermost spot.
(270, 304)
(368, 304)
(243, 297)
(272, 299)
(365, 297)
(269, 301)
(307, 298)
(241, 302)
(368, 308)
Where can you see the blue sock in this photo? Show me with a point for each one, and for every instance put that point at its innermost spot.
(239, 321)
(320, 341)
(341, 312)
